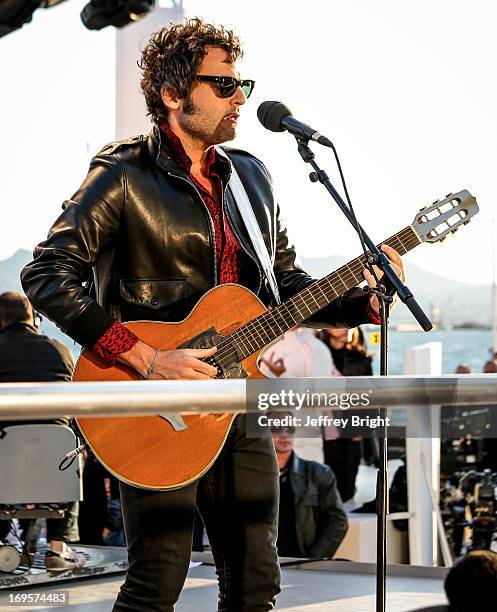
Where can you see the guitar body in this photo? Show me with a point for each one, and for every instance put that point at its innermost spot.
(147, 451)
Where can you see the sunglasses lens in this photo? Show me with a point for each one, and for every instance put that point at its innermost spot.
(227, 87)
(280, 430)
(247, 87)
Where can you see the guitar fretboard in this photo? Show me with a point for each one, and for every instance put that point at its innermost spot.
(259, 332)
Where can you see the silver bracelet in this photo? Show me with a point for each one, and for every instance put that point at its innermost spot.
(151, 368)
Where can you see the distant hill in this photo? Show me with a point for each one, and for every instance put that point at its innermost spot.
(457, 301)
(10, 269)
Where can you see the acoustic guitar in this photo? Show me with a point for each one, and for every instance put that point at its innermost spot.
(169, 451)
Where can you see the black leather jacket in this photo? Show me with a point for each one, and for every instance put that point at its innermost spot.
(320, 518)
(140, 224)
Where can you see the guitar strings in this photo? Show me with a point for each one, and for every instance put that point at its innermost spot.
(271, 315)
(357, 265)
(266, 322)
(227, 351)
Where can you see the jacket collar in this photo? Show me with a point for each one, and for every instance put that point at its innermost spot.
(297, 477)
(19, 328)
(295, 464)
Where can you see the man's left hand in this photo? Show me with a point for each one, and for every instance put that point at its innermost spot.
(398, 267)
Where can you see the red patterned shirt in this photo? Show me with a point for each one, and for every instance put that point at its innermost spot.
(228, 251)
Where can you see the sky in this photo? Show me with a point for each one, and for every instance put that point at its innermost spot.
(406, 91)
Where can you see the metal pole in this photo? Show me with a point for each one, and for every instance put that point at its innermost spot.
(93, 399)
(382, 478)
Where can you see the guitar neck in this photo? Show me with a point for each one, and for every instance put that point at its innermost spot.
(264, 329)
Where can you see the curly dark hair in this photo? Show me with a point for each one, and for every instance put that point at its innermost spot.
(174, 54)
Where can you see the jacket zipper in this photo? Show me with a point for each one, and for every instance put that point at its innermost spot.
(240, 238)
(212, 234)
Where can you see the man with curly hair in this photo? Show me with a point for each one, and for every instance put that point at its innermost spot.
(156, 223)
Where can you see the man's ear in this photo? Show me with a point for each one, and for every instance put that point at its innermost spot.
(170, 99)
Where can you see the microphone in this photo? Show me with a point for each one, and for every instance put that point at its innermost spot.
(277, 117)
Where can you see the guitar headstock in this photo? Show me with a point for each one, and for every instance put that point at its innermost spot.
(433, 223)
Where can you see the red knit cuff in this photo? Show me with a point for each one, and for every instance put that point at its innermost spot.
(374, 317)
(116, 340)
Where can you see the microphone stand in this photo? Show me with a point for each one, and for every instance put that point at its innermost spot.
(378, 258)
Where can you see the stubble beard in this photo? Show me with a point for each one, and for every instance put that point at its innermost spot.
(205, 133)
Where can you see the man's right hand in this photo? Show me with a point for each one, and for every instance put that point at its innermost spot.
(170, 365)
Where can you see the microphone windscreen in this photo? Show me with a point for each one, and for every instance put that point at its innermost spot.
(270, 115)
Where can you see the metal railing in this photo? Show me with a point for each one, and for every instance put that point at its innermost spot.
(132, 398)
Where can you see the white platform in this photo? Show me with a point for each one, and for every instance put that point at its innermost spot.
(303, 590)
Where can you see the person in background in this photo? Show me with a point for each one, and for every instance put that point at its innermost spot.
(27, 356)
(471, 583)
(490, 367)
(463, 368)
(350, 357)
(490, 443)
(100, 520)
(298, 354)
(312, 520)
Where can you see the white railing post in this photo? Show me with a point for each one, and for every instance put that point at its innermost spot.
(423, 441)
(131, 113)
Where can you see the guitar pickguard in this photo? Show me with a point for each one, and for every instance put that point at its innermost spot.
(211, 337)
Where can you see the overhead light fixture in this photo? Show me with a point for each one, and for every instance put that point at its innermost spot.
(15, 13)
(98, 14)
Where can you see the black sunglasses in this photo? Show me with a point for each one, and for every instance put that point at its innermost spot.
(279, 430)
(228, 85)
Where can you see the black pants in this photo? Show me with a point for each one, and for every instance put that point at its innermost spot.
(93, 512)
(343, 456)
(238, 501)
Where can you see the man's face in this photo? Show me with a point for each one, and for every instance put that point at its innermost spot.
(283, 439)
(206, 116)
(342, 336)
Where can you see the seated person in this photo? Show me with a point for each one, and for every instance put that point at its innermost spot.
(312, 519)
(472, 583)
(26, 356)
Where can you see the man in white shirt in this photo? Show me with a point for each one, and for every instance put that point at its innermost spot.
(299, 354)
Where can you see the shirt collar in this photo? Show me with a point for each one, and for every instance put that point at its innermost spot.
(180, 156)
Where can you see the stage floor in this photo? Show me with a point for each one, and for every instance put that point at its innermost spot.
(304, 590)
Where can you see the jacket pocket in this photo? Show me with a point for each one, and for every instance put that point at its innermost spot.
(153, 293)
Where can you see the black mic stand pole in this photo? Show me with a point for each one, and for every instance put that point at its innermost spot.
(378, 258)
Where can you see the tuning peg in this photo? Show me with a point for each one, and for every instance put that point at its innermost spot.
(466, 222)
(453, 231)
